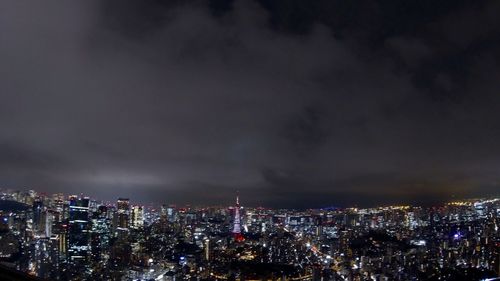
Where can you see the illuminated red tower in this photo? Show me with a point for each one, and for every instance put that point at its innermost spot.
(237, 222)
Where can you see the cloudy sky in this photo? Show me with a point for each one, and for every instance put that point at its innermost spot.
(293, 103)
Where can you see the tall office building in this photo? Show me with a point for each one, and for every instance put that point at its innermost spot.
(79, 228)
(206, 249)
(100, 236)
(58, 202)
(37, 215)
(163, 213)
(49, 221)
(123, 214)
(172, 215)
(137, 218)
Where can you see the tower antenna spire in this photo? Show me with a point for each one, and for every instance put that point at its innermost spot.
(237, 221)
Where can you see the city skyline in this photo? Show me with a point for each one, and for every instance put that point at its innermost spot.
(71, 237)
(237, 194)
(293, 103)
(250, 140)
(232, 203)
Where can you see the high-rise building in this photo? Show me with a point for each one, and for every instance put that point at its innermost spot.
(79, 228)
(137, 218)
(163, 212)
(123, 214)
(58, 203)
(49, 220)
(100, 236)
(37, 215)
(206, 246)
(172, 215)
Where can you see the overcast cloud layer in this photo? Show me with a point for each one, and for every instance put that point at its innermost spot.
(292, 103)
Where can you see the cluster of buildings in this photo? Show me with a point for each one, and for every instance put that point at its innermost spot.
(77, 238)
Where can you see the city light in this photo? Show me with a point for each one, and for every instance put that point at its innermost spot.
(80, 236)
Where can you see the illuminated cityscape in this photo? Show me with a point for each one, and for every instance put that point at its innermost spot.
(79, 238)
(250, 140)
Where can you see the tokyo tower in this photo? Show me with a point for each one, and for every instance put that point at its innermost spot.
(237, 222)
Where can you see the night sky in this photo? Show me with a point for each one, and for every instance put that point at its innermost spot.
(294, 103)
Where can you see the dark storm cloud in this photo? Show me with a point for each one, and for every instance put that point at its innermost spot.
(321, 102)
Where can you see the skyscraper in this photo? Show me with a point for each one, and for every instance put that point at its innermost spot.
(49, 220)
(58, 203)
(79, 228)
(123, 214)
(137, 218)
(100, 236)
(37, 209)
